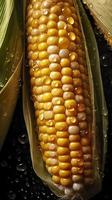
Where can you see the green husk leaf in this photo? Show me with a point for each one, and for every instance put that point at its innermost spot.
(28, 109)
(102, 13)
(11, 53)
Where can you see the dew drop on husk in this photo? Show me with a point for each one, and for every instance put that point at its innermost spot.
(11, 195)
(21, 167)
(23, 139)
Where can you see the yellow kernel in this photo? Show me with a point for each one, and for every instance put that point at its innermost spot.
(61, 126)
(69, 95)
(64, 165)
(47, 97)
(43, 55)
(51, 161)
(67, 79)
(59, 117)
(50, 123)
(65, 62)
(52, 40)
(72, 46)
(64, 158)
(52, 138)
(51, 130)
(37, 73)
(77, 162)
(64, 173)
(43, 37)
(48, 115)
(63, 142)
(77, 170)
(69, 28)
(74, 146)
(34, 55)
(51, 24)
(77, 178)
(63, 42)
(32, 81)
(59, 109)
(73, 56)
(66, 181)
(34, 23)
(57, 101)
(76, 73)
(55, 75)
(66, 71)
(63, 151)
(53, 16)
(72, 36)
(71, 112)
(46, 4)
(61, 25)
(68, 87)
(77, 82)
(43, 137)
(42, 129)
(32, 39)
(71, 120)
(48, 106)
(58, 92)
(62, 33)
(56, 179)
(42, 46)
(47, 80)
(44, 63)
(76, 154)
(39, 82)
(45, 71)
(55, 170)
(67, 11)
(54, 58)
(71, 103)
(43, 19)
(53, 49)
(74, 138)
(70, 20)
(56, 84)
(55, 9)
(37, 90)
(62, 134)
(52, 32)
(64, 53)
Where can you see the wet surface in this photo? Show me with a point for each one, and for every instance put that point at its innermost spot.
(17, 178)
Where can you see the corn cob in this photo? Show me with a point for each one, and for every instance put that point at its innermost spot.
(60, 92)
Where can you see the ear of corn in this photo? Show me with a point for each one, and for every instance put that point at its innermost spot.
(62, 95)
(102, 13)
(10, 62)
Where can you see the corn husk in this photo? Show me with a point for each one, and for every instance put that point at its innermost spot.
(11, 53)
(99, 127)
(102, 13)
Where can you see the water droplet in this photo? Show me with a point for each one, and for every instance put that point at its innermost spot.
(11, 195)
(21, 167)
(23, 139)
(1, 85)
(20, 83)
(3, 164)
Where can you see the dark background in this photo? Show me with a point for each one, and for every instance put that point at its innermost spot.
(17, 178)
